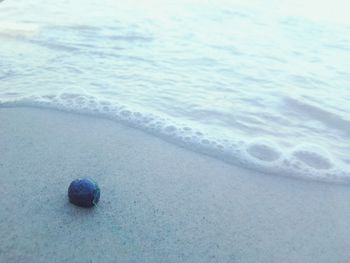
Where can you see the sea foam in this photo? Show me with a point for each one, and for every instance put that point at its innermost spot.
(305, 161)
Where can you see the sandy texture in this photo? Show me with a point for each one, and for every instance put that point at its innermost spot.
(159, 202)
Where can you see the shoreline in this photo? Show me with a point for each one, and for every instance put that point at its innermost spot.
(159, 202)
(209, 152)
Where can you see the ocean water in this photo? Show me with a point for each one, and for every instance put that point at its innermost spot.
(261, 84)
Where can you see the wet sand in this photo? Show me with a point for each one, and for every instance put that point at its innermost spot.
(159, 202)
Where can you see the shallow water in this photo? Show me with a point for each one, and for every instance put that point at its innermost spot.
(260, 84)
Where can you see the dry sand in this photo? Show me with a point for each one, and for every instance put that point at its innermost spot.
(159, 202)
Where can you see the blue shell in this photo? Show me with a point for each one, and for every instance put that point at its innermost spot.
(84, 192)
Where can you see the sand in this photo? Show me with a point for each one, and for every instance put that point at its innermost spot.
(159, 202)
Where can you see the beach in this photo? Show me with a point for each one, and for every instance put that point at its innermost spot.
(159, 202)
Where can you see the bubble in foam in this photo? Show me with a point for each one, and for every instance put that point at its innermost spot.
(170, 128)
(205, 141)
(48, 96)
(79, 100)
(286, 163)
(137, 114)
(92, 103)
(264, 151)
(104, 102)
(125, 113)
(313, 156)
